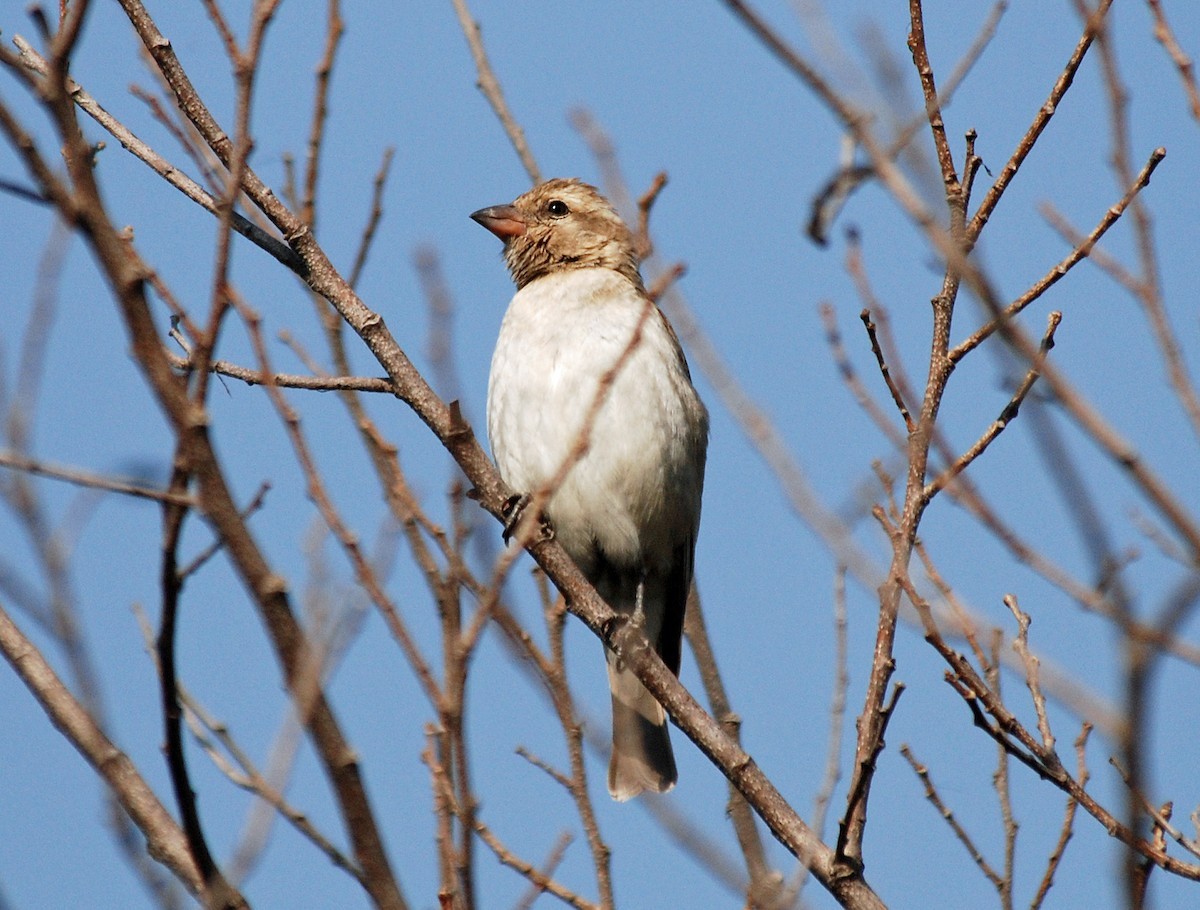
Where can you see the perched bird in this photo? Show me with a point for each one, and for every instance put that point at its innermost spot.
(628, 509)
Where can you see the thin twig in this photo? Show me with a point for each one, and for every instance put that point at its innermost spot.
(1021, 645)
(1161, 815)
(197, 561)
(246, 775)
(490, 87)
(1068, 824)
(764, 883)
(643, 243)
(123, 779)
(837, 349)
(1083, 247)
(553, 773)
(334, 29)
(1183, 63)
(897, 397)
(363, 571)
(1003, 786)
(1040, 121)
(837, 703)
(89, 479)
(551, 863)
(376, 215)
(252, 376)
(964, 838)
(160, 165)
(990, 714)
(224, 895)
(1007, 414)
(444, 792)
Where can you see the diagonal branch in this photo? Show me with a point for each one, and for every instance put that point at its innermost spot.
(164, 838)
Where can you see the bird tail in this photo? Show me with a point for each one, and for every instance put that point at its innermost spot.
(641, 749)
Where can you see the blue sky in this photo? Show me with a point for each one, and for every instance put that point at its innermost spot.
(688, 91)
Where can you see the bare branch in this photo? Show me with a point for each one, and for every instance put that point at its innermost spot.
(90, 479)
(165, 839)
(1083, 247)
(960, 833)
(1006, 415)
(1068, 824)
(492, 92)
(1187, 72)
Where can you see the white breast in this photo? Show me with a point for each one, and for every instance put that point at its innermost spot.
(641, 476)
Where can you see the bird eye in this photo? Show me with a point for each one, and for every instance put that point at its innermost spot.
(557, 208)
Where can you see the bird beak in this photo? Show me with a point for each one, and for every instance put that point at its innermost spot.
(502, 220)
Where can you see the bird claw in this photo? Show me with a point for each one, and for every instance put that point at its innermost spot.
(513, 511)
(610, 629)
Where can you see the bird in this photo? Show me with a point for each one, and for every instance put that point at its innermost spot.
(582, 341)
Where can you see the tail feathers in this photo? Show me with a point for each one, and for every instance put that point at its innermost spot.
(641, 751)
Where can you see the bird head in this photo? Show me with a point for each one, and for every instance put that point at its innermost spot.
(561, 224)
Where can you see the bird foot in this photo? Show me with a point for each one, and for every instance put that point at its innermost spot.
(513, 511)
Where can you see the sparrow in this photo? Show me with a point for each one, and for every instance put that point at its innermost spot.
(627, 508)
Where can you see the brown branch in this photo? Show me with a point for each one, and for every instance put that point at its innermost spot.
(1002, 784)
(1108, 440)
(91, 480)
(1067, 829)
(764, 883)
(251, 376)
(853, 823)
(223, 894)
(1021, 646)
(1183, 63)
(552, 861)
(165, 840)
(246, 775)
(960, 833)
(1103, 260)
(364, 573)
(641, 238)
(603, 150)
(933, 105)
(1083, 248)
(541, 764)
(837, 702)
(837, 719)
(184, 134)
(1149, 293)
(897, 397)
(31, 60)
(852, 118)
(665, 281)
(334, 29)
(1040, 121)
(1007, 415)
(369, 229)
(855, 385)
(440, 346)
(531, 872)
(125, 270)
(198, 561)
(443, 791)
(991, 715)
(488, 84)
(1160, 814)
(872, 721)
